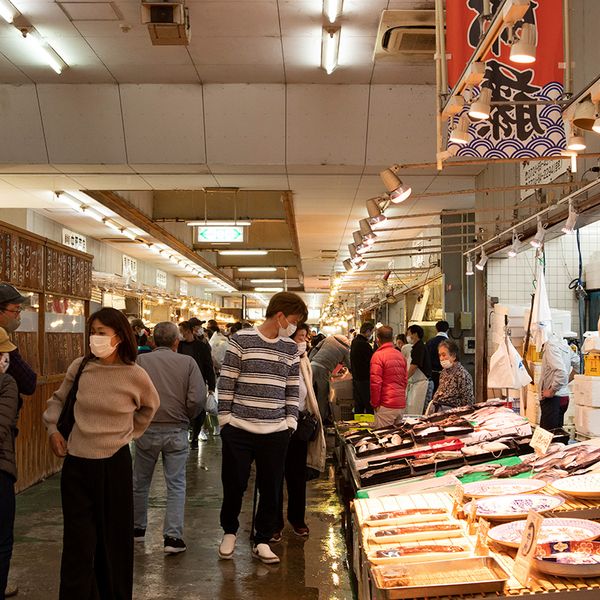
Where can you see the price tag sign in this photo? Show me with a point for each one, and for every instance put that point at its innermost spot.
(459, 497)
(481, 545)
(541, 440)
(526, 553)
(472, 517)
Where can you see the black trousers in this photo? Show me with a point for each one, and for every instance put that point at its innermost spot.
(362, 397)
(197, 425)
(7, 525)
(97, 502)
(551, 417)
(240, 449)
(295, 479)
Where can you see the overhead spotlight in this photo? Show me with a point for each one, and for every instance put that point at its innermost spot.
(397, 191)
(515, 247)
(482, 260)
(460, 134)
(354, 255)
(330, 48)
(569, 226)
(359, 244)
(376, 216)
(575, 140)
(523, 50)
(596, 125)
(361, 266)
(481, 108)
(455, 105)
(332, 9)
(469, 269)
(367, 233)
(475, 73)
(538, 240)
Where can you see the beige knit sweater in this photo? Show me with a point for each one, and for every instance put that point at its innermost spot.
(115, 403)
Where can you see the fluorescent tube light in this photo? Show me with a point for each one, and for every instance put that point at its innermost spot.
(266, 281)
(7, 11)
(243, 252)
(332, 9)
(257, 269)
(112, 225)
(219, 223)
(44, 51)
(330, 48)
(268, 289)
(69, 201)
(128, 233)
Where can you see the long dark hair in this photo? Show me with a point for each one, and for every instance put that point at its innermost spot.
(115, 319)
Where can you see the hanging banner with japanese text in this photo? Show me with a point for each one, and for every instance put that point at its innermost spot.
(515, 129)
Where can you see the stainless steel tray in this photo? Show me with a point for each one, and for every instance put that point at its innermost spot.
(444, 578)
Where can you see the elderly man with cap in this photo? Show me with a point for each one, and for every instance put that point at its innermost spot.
(11, 305)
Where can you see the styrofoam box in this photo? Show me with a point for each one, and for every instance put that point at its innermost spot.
(533, 411)
(587, 420)
(586, 390)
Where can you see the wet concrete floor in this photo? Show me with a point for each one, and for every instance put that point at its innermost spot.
(315, 568)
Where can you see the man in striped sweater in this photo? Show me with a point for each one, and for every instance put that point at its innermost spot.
(258, 411)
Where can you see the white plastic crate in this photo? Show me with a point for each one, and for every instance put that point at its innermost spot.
(586, 390)
(587, 420)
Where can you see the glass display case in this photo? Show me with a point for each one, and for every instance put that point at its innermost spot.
(27, 336)
(64, 331)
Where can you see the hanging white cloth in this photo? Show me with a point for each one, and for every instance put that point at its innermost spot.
(541, 320)
(506, 368)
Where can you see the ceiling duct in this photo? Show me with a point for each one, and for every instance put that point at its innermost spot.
(406, 36)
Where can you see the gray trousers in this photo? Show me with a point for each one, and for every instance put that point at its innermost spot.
(321, 386)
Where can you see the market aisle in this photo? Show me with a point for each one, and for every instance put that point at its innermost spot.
(309, 569)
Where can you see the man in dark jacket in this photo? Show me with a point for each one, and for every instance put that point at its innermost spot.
(200, 351)
(11, 305)
(360, 361)
(9, 412)
(442, 328)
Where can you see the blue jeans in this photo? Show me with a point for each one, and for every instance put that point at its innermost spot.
(172, 443)
(7, 524)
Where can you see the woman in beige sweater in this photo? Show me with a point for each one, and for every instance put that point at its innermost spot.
(116, 401)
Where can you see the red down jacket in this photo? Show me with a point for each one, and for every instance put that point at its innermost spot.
(388, 378)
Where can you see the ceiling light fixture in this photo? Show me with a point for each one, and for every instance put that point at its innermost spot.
(523, 50)
(90, 212)
(219, 223)
(398, 192)
(482, 260)
(469, 270)
(332, 9)
(367, 233)
(376, 216)
(361, 266)
(128, 233)
(257, 269)
(243, 252)
(266, 281)
(575, 140)
(515, 246)
(112, 225)
(330, 48)
(569, 226)
(538, 239)
(359, 243)
(481, 108)
(43, 50)
(268, 289)
(355, 257)
(71, 202)
(349, 265)
(460, 134)
(7, 11)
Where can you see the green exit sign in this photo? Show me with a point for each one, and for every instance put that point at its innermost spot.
(216, 235)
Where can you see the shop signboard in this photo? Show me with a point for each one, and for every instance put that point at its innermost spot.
(183, 287)
(539, 172)
(515, 129)
(220, 235)
(129, 268)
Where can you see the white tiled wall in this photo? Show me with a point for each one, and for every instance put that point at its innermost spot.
(511, 279)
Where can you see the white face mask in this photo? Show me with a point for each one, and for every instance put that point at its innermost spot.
(446, 364)
(287, 331)
(4, 361)
(302, 347)
(409, 339)
(100, 345)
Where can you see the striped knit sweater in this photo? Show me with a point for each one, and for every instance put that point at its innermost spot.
(258, 386)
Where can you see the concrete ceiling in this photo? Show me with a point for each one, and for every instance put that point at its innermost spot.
(134, 117)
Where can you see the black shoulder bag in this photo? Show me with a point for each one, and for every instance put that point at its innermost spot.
(308, 427)
(67, 414)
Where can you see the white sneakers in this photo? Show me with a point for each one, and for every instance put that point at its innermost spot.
(264, 553)
(227, 547)
(261, 552)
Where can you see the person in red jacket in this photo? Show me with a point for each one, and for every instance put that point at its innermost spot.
(388, 379)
